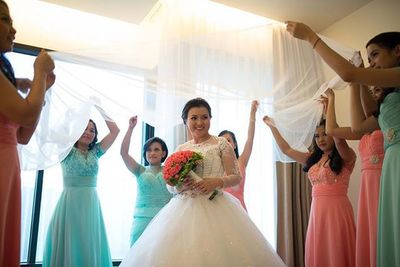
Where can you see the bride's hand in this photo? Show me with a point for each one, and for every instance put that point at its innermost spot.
(187, 184)
(208, 185)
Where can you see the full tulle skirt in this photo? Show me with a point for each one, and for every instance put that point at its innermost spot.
(196, 231)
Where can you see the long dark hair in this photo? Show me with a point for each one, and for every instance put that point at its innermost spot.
(151, 141)
(335, 160)
(194, 103)
(233, 139)
(93, 143)
(388, 41)
(7, 69)
(385, 92)
(5, 65)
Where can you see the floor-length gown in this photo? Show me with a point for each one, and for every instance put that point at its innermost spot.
(331, 233)
(76, 235)
(238, 190)
(10, 195)
(371, 153)
(193, 231)
(152, 195)
(388, 244)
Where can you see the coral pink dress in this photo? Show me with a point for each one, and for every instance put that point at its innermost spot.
(10, 194)
(238, 190)
(331, 233)
(371, 152)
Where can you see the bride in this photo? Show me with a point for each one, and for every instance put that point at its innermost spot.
(194, 231)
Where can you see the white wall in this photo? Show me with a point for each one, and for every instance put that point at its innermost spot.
(355, 31)
(59, 28)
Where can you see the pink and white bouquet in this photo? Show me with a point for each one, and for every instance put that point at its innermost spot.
(180, 165)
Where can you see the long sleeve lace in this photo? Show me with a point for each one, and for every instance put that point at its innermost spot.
(232, 175)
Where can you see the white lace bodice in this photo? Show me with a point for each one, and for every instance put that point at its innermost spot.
(219, 160)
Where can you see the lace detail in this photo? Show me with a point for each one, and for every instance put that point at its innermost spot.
(219, 160)
(322, 174)
(82, 164)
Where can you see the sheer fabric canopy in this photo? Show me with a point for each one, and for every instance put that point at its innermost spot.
(189, 48)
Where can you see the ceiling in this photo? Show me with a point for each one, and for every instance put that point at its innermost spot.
(319, 14)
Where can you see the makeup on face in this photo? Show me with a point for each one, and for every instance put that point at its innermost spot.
(381, 58)
(154, 153)
(89, 134)
(323, 141)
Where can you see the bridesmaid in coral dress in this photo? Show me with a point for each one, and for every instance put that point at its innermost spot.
(238, 190)
(330, 240)
(363, 108)
(18, 118)
(372, 154)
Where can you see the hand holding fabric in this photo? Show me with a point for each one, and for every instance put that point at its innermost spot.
(23, 84)
(269, 121)
(50, 80)
(301, 31)
(43, 63)
(132, 122)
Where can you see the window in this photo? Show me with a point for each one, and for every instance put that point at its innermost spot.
(116, 186)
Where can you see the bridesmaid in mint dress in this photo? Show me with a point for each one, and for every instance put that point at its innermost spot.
(384, 57)
(388, 246)
(238, 190)
(76, 235)
(152, 192)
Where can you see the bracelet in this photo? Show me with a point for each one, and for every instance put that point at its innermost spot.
(316, 42)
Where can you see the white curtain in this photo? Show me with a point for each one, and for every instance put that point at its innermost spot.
(191, 48)
(198, 48)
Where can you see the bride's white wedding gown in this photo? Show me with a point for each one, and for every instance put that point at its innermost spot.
(193, 231)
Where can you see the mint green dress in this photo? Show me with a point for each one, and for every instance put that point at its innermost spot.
(388, 245)
(76, 235)
(152, 195)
